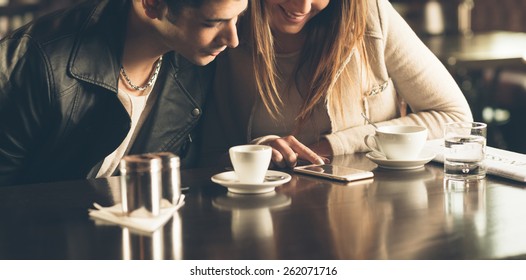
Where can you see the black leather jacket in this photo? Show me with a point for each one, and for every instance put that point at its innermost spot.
(59, 111)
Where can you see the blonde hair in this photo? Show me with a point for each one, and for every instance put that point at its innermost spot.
(332, 36)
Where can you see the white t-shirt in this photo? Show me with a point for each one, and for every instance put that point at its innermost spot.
(135, 106)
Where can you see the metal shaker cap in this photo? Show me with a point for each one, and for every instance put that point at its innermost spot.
(168, 159)
(140, 163)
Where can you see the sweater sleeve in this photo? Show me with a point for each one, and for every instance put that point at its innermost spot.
(417, 76)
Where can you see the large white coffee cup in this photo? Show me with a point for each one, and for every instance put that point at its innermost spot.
(398, 142)
(251, 162)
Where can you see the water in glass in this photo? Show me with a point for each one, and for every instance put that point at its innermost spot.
(464, 157)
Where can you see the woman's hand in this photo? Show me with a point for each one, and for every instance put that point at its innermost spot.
(322, 148)
(288, 150)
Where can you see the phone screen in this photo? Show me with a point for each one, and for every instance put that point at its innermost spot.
(335, 172)
(330, 169)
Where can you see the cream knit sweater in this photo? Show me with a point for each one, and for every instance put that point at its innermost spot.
(403, 68)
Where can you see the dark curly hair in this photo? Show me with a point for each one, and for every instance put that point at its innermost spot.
(175, 6)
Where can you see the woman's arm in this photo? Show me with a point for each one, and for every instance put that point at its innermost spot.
(413, 72)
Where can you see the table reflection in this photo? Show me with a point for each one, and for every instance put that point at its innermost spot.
(503, 235)
(373, 220)
(405, 189)
(163, 244)
(355, 222)
(465, 206)
(464, 197)
(411, 214)
(251, 218)
(414, 221)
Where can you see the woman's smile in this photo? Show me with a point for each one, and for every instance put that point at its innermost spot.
(293, 17)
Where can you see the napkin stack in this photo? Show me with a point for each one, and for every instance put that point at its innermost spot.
(113, 214)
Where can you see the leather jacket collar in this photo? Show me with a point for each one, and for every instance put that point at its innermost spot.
(101, 67)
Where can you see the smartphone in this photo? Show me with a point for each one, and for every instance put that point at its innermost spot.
(335, 172)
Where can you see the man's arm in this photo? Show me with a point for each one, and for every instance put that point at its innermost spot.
(24, 105)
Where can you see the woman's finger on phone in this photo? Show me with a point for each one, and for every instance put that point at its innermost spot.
(282, 155)
(325, 160)
(291, 150)
(305, 153)
(288, 156)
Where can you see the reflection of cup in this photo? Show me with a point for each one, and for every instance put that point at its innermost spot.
(398, 142)
(405, 188)
(252, 219)
(141, 185)
(251, 214)
(465, 149)
(250, 162)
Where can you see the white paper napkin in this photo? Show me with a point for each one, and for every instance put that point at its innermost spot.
(113, 214)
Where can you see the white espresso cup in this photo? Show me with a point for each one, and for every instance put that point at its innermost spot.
(398, 142)
(251, 162)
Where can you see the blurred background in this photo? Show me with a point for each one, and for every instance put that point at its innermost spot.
(15, 13)
(481, 42)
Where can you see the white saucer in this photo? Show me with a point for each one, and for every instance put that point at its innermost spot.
(229, 180)
(422, 159)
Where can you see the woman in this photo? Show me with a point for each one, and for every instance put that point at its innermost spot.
(307, 69)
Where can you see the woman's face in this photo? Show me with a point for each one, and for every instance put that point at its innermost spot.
(291, 16)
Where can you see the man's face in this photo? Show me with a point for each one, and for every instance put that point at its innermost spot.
(200, 34)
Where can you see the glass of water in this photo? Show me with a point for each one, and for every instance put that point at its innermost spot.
(465, 150)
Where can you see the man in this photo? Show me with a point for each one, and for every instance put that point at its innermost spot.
(81, 88)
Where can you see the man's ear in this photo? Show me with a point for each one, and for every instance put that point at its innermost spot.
(152, 8)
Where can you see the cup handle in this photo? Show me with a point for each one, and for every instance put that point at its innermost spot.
(372, 147)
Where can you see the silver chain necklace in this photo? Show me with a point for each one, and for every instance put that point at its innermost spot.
(150, 81)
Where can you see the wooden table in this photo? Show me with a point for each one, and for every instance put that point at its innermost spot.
(399, 215)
